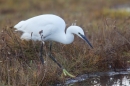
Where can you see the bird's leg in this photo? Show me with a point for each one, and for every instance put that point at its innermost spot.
(53, 58)
(41, 54)
(65, 72)
(41, 50)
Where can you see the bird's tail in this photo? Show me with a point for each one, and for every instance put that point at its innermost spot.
(19, 25)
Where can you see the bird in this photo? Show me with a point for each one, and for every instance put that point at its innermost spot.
(50, 27)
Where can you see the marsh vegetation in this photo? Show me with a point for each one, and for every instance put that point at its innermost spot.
(108, 31)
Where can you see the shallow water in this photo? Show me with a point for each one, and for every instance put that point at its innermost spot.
(115, 80)
(110, 78)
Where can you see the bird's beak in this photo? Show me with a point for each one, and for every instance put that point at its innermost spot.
(85, 38)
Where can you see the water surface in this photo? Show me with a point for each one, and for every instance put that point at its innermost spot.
(110, 78)
(115, 80)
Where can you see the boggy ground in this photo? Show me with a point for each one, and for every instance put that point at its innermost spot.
(107, 31)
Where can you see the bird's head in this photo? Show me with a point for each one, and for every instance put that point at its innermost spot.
(79, 31)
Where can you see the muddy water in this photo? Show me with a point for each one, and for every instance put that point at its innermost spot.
(110, 78)
(115, 80)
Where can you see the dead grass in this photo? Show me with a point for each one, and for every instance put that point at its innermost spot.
(20, 64)
(19, 60)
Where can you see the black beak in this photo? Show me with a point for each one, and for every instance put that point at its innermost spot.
(84, 37)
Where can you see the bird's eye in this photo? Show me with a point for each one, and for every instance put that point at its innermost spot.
(79, 33)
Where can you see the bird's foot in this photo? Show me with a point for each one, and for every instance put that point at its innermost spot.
(43, 42)
(66, 73)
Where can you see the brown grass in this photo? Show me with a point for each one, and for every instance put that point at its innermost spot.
(19, 59)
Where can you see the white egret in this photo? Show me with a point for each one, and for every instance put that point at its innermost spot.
(49, 27)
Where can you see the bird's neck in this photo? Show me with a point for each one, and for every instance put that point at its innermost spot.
(66, 38)
(69, 37)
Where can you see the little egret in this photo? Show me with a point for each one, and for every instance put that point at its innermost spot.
(49, 27)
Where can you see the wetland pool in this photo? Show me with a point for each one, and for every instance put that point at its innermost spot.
(110, 78)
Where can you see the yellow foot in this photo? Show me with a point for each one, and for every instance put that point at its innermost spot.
(65, 72)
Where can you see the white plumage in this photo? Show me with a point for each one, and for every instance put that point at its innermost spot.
(49, 27)
(52, 27)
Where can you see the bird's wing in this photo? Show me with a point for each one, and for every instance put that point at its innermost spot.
(48, 29)
(48, 24)
(34, 28)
